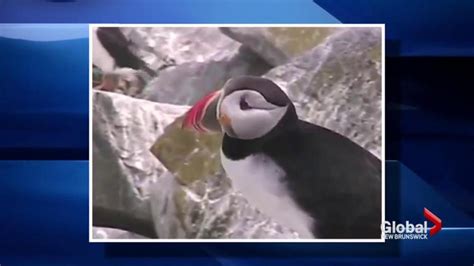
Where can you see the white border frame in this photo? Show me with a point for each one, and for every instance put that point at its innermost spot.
(375, 240)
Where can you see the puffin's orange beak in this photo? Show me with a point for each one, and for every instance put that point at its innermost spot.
(202, 116)
(224, 120)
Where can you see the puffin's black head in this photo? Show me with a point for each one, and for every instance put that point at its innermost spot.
(246, 107)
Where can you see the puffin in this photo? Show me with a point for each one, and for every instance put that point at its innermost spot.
(306, 177)
(112, 50)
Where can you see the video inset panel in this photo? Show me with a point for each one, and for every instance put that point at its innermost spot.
(237, 133)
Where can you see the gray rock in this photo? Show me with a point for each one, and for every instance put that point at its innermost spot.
(208, 208)
(122, 165)
(192, 61)
(110, 233)
(256, 40)
(181, 44)
(277, 45)
(338, 85)
(188, 82)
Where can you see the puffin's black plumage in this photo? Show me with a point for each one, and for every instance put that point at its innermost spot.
(334, 180)
(117, 45)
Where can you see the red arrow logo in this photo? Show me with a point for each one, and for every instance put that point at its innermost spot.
(434, 219)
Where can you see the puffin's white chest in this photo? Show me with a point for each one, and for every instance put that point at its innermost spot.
(261, 182)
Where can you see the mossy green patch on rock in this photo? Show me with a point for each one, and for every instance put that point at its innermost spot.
(295, 41)
(375, 54)
(189, 156)
(181, 203)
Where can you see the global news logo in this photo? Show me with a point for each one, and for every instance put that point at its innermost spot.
(408, 230)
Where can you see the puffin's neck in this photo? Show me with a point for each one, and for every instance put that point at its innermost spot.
(237, 149)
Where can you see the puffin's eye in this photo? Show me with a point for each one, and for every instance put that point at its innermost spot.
(244, 104)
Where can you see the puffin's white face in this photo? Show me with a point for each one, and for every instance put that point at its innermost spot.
(246, 114)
